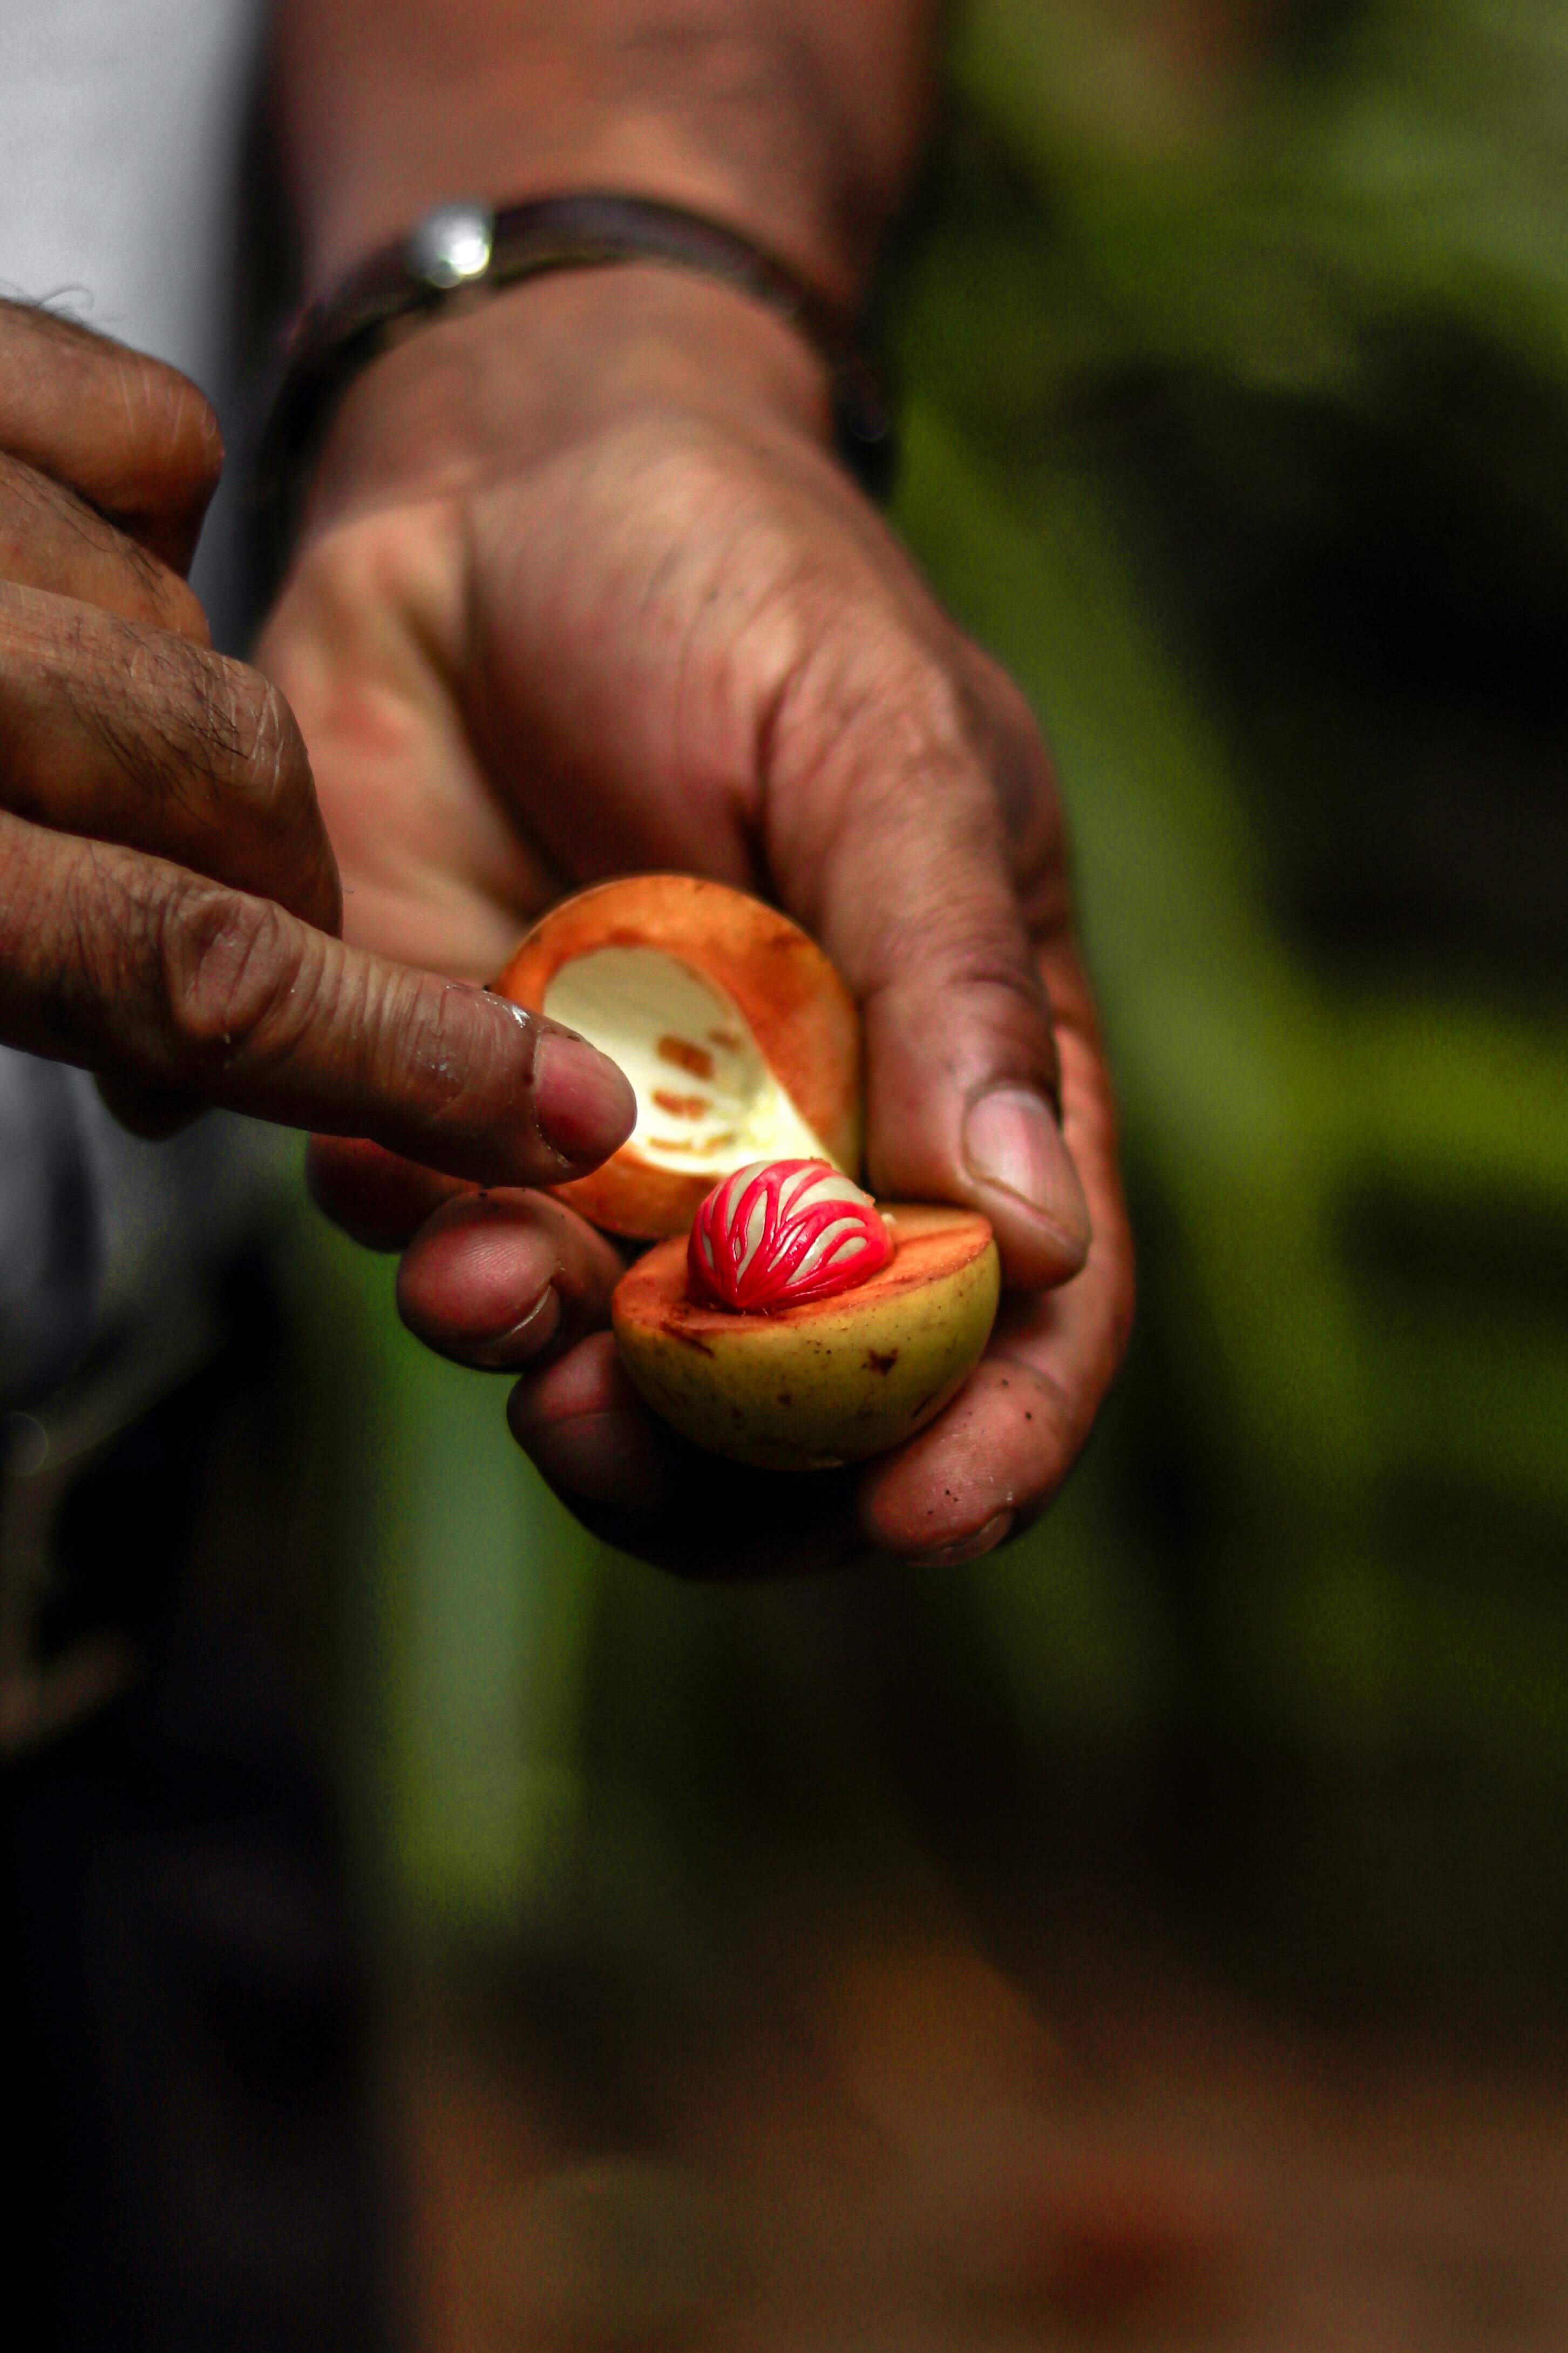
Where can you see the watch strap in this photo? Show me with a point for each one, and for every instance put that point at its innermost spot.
(466, 248)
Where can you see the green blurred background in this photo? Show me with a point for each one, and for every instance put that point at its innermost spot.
(1233, 337)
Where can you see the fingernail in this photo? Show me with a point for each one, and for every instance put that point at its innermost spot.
(584, 1106)
(996, 1531)
(1011, 1141)
(532, 1331)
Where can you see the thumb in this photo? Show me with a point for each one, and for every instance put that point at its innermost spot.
(912, 893)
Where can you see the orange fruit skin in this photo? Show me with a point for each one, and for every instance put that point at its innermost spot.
(803, 1017)
(836, 1381)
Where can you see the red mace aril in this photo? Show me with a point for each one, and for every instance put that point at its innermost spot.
(778, 1233)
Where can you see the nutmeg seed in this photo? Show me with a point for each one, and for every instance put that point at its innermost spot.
(779, 1232)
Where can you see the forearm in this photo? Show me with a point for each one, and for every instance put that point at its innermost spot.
(796, 122)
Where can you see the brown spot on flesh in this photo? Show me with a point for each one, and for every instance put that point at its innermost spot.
(683, 1106)
(689, 1340)
(686, 1056)
(726, 1040)
(876, 1363)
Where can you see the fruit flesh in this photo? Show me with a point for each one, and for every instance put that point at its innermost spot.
(783, 1067)
(836, 1381)
(706, 1097)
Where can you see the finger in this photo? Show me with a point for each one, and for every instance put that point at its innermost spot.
(379, 1200)
(878, 773)
(647, 1491)
(497, 1279)
(130, 435)
(50, 538)
(153, 1112)
(129, 734)
(128, 964)
(1002, 1450)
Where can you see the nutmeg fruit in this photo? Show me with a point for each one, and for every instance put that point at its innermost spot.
(739, 1037)
(784, 1319)
(830, 1381)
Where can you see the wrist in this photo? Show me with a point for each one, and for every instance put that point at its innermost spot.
(496, 389)
(648, 157)
(798, 124)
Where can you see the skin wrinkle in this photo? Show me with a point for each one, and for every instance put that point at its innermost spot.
(73, 980)
(1050, 1397)
(747, 789)
(230, 971)
(966, 952)
(688, 503)
(998, 726)
(477, 1100)
(47, 531)
(135, 442)
(931, 903)
(89, 943)
(972, 827)
(132, 721)
(25, 486)
(199, 739)
(846, 701)
(835, 712)
(267, 775)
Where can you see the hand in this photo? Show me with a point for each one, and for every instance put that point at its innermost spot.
(168, 895)
(583, 593)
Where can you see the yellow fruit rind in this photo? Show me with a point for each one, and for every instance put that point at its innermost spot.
(835, 1381)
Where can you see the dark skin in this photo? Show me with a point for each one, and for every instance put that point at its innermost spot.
(583, 590)
(169, 899)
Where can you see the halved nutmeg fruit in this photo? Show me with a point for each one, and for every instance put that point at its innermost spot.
(784, 1319)
(739, 1039)
(835, 1380)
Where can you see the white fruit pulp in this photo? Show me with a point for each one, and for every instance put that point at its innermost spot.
(707, 1100)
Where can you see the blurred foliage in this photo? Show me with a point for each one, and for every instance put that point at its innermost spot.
(1234, 338)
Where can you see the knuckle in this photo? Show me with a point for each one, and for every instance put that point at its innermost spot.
(176, 604)
(159, 597)
(233, 727)
(936, 771)
(278, 748)
(173, 425)
(51, 539)
(196, 436)
(864, 673)
(235, 974)
(265, 752)
(270, 776)
(990, 965)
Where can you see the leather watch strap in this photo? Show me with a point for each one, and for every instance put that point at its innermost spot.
(468, 247)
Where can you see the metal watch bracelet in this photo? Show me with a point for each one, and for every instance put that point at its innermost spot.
(469, 247)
